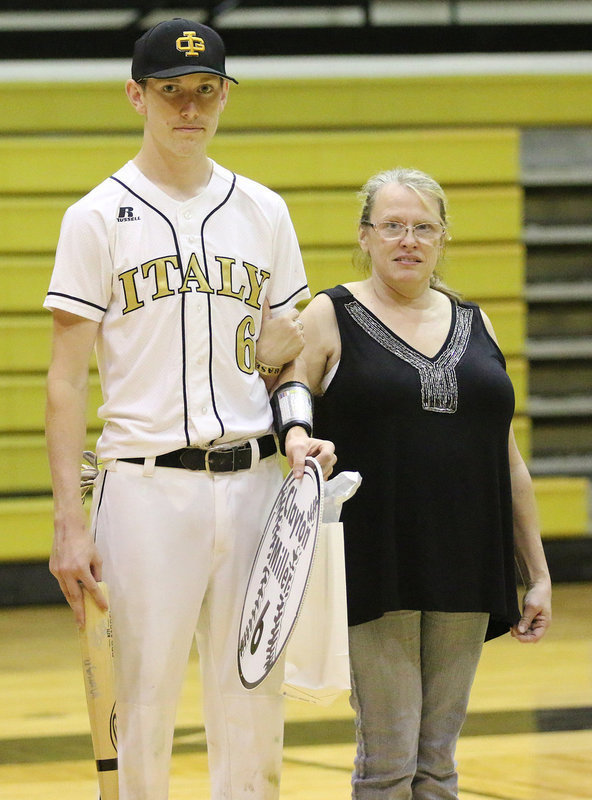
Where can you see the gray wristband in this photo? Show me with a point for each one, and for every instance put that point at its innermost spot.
(291, 404)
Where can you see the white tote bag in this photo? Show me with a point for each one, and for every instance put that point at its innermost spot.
(317, 653)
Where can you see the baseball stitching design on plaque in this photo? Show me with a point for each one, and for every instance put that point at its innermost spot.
(280, 574)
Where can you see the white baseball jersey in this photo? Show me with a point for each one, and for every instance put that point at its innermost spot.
(178, 289)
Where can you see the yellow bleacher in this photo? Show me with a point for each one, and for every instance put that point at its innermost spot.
(327, 102)
(315, 142)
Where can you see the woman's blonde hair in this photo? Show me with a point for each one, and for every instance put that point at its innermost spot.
(423, 185)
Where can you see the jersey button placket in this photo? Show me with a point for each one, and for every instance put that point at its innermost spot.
(197, 341)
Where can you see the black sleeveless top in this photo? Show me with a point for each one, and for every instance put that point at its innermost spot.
(430, 527)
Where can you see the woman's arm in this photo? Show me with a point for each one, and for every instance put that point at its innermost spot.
(528, 547)
(530, 556)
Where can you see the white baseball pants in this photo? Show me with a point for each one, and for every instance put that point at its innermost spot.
(178, 548)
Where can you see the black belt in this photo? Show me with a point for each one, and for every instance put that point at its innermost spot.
(230, 459)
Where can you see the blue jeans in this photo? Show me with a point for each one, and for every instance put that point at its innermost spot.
(412, 673)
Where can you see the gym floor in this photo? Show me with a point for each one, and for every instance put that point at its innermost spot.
(528, 735)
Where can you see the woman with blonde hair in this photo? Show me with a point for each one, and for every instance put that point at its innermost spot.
(411, 386)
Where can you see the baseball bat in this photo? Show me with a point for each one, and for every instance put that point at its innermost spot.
(96, 645)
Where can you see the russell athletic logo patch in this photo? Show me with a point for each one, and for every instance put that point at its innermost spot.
(126, 214)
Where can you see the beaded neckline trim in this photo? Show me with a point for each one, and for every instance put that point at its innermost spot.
(439, 387)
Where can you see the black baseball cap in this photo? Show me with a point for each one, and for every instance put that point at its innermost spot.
(178, 47)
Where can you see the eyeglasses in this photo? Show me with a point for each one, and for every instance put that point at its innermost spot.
(427, 232)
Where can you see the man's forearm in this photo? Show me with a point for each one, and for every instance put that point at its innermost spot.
(65, 432)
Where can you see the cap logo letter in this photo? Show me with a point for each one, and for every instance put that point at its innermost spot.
(190, 44)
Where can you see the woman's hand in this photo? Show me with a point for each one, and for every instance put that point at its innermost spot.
(536, 614)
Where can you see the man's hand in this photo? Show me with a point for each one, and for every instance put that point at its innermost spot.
(299, 445)
(280, 339)
(75, 562)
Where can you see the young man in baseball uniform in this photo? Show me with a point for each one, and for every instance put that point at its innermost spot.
(183, 276)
